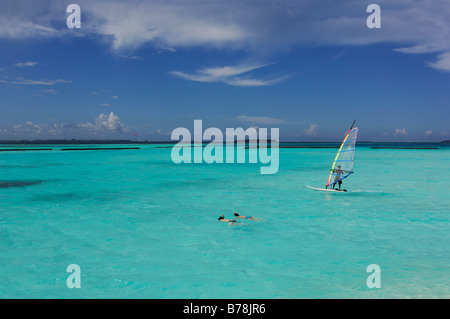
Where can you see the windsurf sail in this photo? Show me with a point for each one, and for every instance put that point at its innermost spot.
(343, 163)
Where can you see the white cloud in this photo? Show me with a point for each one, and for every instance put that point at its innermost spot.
(105, 122)
(161, 132)
(110, 122)
(311, 130)
(167, 24)
(442, 62)
(428, 132)
(37, 128)
(415, 26)
(401, 131)
(418, 26)
(104, 125)
(23, 64)
(228, 75)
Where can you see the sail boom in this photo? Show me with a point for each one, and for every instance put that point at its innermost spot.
(341, 178)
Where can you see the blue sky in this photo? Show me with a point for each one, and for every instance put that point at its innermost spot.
(148, 67)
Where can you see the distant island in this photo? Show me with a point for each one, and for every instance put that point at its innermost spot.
(75, 141)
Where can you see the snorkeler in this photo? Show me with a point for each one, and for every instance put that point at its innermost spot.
(223, 219)
(247, 217)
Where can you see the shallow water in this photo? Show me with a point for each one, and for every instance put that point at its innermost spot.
(140, 226)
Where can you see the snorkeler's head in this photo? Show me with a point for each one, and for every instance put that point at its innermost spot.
(221, 217)
(236, 214)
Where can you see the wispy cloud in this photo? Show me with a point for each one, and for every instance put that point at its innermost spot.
(24, 64)
(261, 120)
(231, 75)
(132, 57)
(14, 27)
(21, 81)
(237, 81)
(49, 91)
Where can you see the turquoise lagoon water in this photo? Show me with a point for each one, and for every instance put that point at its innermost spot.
(140, 226)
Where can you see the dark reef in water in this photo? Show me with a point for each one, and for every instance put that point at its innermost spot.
(99, 148)
(405, 148)
(24, 149)
(9, 184)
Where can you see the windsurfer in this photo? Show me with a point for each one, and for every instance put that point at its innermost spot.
(337, 178)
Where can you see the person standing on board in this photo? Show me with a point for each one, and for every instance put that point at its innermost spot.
(338, 173)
